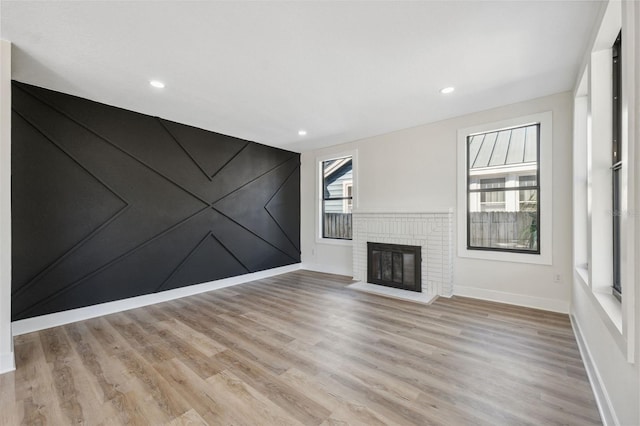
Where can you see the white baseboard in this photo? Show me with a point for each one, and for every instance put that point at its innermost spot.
(328, 269)
(7, 362)
(60, 318)
(607, 413)
(552, 305)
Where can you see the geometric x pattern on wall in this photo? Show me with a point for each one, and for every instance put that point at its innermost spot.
(109, 204)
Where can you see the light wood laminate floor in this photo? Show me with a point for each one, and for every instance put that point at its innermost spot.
(301, 348)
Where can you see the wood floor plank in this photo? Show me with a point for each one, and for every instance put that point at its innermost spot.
(343, 410)
(247, 404)
(198, 340)
(292, 400)
(34, 385)
(10, 413)
(190, 418)
(56, 351)
(111, 383)
(194, 390)
(196, 360)
(302, 348)
(230, 337)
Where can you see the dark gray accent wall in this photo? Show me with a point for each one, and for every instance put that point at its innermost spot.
(109, 204)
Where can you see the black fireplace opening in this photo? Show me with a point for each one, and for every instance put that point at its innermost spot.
(394, 265)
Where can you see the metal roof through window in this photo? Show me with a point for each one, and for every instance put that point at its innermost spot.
(504, 147)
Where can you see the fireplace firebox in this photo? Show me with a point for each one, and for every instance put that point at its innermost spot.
(394, 265)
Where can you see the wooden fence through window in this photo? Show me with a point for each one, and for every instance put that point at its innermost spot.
(503, 230)
(337, 225)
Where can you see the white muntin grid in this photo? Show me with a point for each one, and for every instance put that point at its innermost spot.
(433, 232)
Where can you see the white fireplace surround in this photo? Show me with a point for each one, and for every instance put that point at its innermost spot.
(433, 231)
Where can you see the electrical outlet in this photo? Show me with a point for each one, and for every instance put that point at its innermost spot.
(556, 278)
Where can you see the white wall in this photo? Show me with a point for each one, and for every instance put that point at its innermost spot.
(414, 170)
(6, 341)
(609, 331)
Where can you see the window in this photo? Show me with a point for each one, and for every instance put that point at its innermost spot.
(501, 223)
(616, 160)
(337, 197)
(502, 189)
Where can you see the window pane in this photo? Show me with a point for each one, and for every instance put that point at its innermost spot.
(616, 160)
(337, 225)
(503, 190)
(516, 146)
(484, 154)
(474, 146)
(499, 154)
(337, 194)
(509, 228)
(338, 175)
(616, 231)
(531, 144)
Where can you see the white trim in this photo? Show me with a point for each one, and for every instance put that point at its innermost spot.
(60, 318)
(546, 190)
(400, 211)
(318, 196)
(345, 189)
(600, 192)
(630, 272)
(334, 241)
(327, 269)
(7, 363)
(605, 407)
(553, 305)
(6, 342)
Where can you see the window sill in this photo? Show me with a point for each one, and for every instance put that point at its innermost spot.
(583, 273)
(610, 309)
(611, 306)
(505, 256)
(334, 242)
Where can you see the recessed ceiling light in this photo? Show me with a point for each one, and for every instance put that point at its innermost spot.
(302, 132)
(157, 83)
(447, 90)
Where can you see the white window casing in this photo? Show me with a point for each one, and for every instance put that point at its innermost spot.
(319, 196)
(545, 257)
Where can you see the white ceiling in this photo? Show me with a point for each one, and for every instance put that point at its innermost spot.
(263, 70)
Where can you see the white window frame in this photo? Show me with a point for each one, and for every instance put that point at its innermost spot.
(319, 178)
(345, 190)
(545, 195)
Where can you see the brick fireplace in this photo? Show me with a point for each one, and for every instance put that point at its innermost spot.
(432, 231)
